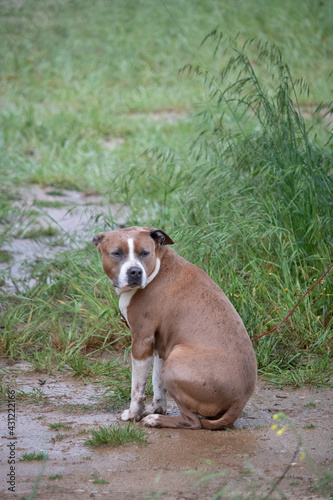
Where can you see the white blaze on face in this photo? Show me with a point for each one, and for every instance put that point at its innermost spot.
(131, 262)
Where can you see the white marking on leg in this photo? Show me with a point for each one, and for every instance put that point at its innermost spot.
(130, 262)
(160, 401)
(140, 372)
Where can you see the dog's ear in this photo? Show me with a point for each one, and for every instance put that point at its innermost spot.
(96, 241)
(160, 236)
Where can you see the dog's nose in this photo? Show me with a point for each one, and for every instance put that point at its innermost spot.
(134, 275)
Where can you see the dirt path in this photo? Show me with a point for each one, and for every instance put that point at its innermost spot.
(248, 458)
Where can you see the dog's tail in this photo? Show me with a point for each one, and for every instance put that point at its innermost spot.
(226, 420)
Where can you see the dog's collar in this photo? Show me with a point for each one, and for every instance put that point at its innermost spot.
(155, 272)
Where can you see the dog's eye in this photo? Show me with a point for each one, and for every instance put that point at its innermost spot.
(144, 253)
(116, 253)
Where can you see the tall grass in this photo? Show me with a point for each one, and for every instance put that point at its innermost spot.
(250, 201)
(253, 206)
(258, 208)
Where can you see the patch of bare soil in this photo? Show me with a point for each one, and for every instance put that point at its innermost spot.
(248, 458)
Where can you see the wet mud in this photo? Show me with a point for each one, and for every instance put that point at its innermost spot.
(173, 464)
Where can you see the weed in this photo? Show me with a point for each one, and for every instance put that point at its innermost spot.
(5, 256)
(57, 426)
(115, 435)
(35, 396)
(49, 204)
(78, 408)
(58, 437)
(27, 457)
(310, 405)
(55, 476)
(37, 232)
(55, 193)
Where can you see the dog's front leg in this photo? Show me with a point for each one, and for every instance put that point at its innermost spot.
(140, 372)
(160, 400)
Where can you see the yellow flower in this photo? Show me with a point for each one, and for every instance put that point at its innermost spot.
(302, 455)
(231, 295)
(274, 427)
(286, 289)
(281, 431)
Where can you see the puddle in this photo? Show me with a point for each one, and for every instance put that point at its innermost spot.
(248, 458)
(71, 214)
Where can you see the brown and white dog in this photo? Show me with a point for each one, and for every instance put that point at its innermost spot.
(203, 356)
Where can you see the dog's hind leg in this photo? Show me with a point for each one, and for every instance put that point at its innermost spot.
(227, 419)
(186, 420)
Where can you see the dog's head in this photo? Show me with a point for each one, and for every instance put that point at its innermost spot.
(131, 256)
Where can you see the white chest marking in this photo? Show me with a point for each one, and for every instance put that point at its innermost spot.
(124, 302)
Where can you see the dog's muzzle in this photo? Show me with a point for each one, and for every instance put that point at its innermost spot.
(134, 276)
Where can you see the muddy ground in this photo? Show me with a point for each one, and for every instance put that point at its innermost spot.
(249, 458)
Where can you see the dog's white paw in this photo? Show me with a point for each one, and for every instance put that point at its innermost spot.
(151, 421)
(128, 415)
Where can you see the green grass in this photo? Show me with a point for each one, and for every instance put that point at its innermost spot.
(28, 457)
(59, 425)
(58, 437)
(310, 405)
(221, 143)
(116, 435)
(36, 396)
(37, 232)
(5, 256)
(55, 476)
(49, 204)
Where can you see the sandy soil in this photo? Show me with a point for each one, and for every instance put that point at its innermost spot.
(248, 458)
